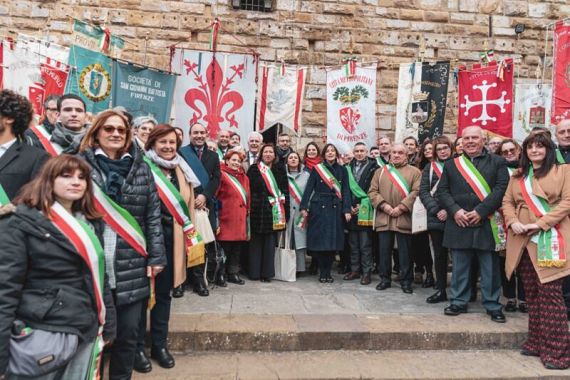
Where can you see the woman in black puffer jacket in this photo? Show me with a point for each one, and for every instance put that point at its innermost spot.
(119, 170)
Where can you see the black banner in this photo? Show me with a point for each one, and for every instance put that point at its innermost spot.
(435, 80)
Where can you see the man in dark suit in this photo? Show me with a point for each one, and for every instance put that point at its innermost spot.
(359, 235)
(19, 163)
(468, 233)
(206, 166)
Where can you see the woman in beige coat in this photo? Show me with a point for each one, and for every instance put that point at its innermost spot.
(536, 207)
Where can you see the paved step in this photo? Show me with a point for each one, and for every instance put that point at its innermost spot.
(313, 365)
(305, 332)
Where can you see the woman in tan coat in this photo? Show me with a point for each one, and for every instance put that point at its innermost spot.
(536, 207)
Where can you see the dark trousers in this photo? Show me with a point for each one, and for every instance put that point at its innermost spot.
(262, 256)
(232, 249)
(513, 288)
(244, 259)
(360, 243)
(325, 260)
(386, 245)
(421, 253)
(490, 277)
(547, 321)
(122, 352)
(440, 259)
(345, 255)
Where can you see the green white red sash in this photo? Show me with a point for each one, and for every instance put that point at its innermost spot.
(89, 248)
(234, 182)
(511, 171)
(294, 190)
(551, 247)
(220, 154)
(301, 221)
(175, 204)
(365, 210)
(380, 161)
(397, 180)
(45, 139)
(328, 178)
(4, 200)
(559, 157)
(482, 189)
(276, 199)
(437, 167)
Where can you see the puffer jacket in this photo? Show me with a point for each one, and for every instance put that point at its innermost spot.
(430, 202)
(45, 282)
(261, 214)
(140, 198)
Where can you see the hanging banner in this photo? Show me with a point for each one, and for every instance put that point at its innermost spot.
(95, 38)
(54, 77)
(280, 96)
(422, 99)
(143, 91)
(561, 77)
(46, 49)
(90, 78)
(217, 90)
(351, 107)
(532, 108)
(486, 98)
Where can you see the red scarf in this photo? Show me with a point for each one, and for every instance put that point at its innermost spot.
(311, 162)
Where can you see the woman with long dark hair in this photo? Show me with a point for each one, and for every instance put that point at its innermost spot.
(536, 207)
(312, 156)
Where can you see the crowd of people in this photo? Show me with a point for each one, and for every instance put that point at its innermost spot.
(102, 220)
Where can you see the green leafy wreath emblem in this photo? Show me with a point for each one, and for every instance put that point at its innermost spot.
(353, 96)
(98, 85)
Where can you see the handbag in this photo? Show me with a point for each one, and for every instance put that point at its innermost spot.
(203, 226)
(285, 258)
(35, 352)
(419, 217)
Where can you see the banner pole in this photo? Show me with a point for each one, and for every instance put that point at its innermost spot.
(145, 47)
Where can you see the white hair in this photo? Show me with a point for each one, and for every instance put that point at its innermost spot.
(255, 134)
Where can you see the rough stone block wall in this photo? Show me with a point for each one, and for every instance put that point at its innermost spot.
(313, 32)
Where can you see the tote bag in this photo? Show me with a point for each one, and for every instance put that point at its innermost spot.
(285, 258)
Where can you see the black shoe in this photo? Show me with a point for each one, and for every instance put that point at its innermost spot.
(265, 279)
(201, 290)
(455, 310)
(163, 357)
(429, 281)
(383, 285)
(234, 278)
(178, 292)
(322, 280)
(523, 307)
(407, 288)
(526, 352)
(437, 297)
(221, 281)
(142, 364)
(329, 280)
(511, 306)
(497, 316)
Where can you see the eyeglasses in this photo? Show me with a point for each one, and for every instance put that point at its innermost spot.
(110, 129)
(443, 149)
(508, 151)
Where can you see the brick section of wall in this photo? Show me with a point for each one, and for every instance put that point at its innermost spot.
(312, 32)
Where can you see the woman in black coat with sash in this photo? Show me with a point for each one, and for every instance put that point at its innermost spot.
(327, 208)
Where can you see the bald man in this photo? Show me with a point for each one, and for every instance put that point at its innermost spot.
(468, 231)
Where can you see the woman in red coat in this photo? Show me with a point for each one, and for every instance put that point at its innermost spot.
(234, 198)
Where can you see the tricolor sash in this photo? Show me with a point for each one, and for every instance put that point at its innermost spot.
(559, 157)
(276, 199)
(380, 162)
(482, 189)
(551, 247)
(89, 248)
(511, 171)
(294, 190)
(236, 185)
(397, 180)
(220, 154)
(437, 167)
(301, 221)
(328, 178)
(365, 211)
(44, 136)
(4, 200)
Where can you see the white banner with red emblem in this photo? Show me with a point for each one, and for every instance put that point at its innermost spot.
(532, 108)
(351, 107)
(214, 89)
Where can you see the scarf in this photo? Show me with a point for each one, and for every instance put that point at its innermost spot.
(115, 171)
(311, 162)
(69, 140)
(177, 161)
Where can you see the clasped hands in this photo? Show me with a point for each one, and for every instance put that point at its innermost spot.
(394, 211)
(467, 218)
(520, 229)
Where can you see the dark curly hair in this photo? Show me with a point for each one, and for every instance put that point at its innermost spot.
(17, 107)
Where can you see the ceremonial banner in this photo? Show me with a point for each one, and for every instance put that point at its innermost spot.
(532, 109)
(351, 107)
(280, 96)
(561, 73)
(90, 78)
(422, 99)
(46, 49)
(96, 38)
(217, 90)
(143, 91)
(486, 98)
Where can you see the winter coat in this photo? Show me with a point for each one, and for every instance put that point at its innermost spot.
(300, 235)
(430, 202)
(325, 229)
(19, 165)
(454, 193)
(261, 215)
(140, 198)
(555, 187)
(364, 183)
(232, 211)
(45, 283)
(382, 190)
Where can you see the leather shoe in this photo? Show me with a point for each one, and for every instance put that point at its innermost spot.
(163, 357)
(265, 279)
(455, 310)
(221, 281)
(523, 307)
(511, 306)
(201, 290)
(351, 276)
(366, 280)
(142, 364)
(429, 282)
(178, 292)
(383, 286)
(497, 316)
(329, 280)
(407, 288)
(437, 297)
(234, 278)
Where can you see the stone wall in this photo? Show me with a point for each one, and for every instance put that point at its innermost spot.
(313, 32)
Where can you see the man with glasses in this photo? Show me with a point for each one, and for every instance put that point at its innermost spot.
(50, 112)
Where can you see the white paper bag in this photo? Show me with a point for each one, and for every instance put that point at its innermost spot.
(419, 217)
(285, 259)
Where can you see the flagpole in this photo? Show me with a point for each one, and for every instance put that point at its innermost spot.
(145, 47)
